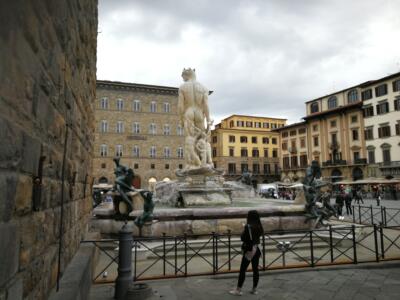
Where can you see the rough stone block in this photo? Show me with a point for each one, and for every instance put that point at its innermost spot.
(23, 196)
(9, 251)
(8, 187)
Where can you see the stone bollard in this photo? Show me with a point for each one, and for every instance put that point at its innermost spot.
(124, 279)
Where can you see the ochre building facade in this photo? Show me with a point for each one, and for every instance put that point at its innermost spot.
(246, 143)
(139, 124)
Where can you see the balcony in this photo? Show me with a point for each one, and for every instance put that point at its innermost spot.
(334, 145)
(339, 162)
(360, 161)
(389, 164)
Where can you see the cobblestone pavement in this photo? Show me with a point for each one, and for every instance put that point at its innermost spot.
(365, 281)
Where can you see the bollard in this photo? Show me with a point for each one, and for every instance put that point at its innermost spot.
(124, 279)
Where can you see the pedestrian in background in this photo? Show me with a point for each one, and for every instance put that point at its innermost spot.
(347, 201)
(250, 237)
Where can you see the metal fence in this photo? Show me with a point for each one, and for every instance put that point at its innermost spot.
(192, 255)
(370, 215)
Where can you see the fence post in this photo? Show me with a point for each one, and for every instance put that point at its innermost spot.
(229, 250)
(312, 248)
(359, 214)
(124, 279)
(213, 251)
(263, 247)
(176, 256)
(185, 240)
(382, 217)
(354, 215)
(216, 252)
(376, 243)
(331, 242)
(372, 215)
(164, 258)
(384, 209)
(382, 243)
(353, 231)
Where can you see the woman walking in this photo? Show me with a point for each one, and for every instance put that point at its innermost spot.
(250, 237)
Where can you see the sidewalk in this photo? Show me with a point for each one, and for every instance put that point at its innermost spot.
(379, 281)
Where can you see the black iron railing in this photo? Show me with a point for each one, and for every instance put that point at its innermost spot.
(369, 215)
(192, 255)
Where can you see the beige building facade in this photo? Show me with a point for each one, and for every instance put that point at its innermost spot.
(246, 143)
(139, 124)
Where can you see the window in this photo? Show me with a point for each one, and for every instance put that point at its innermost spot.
(267, 169)
(275, 153)
(265, 125)
(166, 130)
(167, 152)
(231, 151)
(118, 150)
(354, 119)
(135, 151)
(104, 103)
(232, 168)
(214, 152)
(255, 153)
(352, 96)
(316, 141)
(285, 134)
(136, 127)
(152, 128)
(315, 128)
(103, 150)
(152, 166)
(120, 127)
(381, 90)
(120, 104)
(371, 156)
(180, 166)
(332, 102)
(386, 156)
(257, 124)
(293, 144)
(303, 161)
(167, 166)
(214, 139)
(396, 85)
(382, 108)
(265, 140)
(231, 139)
(266, 152)
(274, 141)
(333, 124)
(240, 123)
(369, 133)
(136, 166)
(244, 167)
(136, 105)
(302, 143)
(273, 125)
(104, 126)
(153, 106)
(103, 165)
(153, 151)
(355, 134)
(384, 131)
(284, 146)
(249, 124)
(180, 153)
(293, 161)
(293, 132)
(368, 111)
(243, 152)
(367, 94)
(179, 130)
(256, 169)
(302, 131)
(397, 128)
(231, 124)
(243, 139)
(334, 138)
(314, 107)
(286, 163)
(397, 103)
(166, 107)
(356, 156)
(254, 139)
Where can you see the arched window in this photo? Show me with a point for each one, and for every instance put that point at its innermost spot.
(135, 151)
(166, 107)
(136, 105)
(104, 103)
(152, 128)
(314, 107)
(118, 150)
(153, 106)
(352, 96)
(153, 151)
(103, 150)
(179, 130)
(104, 126)
(180, 152)
(332, 102)
(167, 152)
(120, 104)
(136, 127)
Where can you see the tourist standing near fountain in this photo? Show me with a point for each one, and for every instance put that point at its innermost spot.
(250, 237)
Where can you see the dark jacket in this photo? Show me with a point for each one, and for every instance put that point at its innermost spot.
(245, 237)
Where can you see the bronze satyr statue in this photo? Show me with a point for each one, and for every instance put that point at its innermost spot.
(148, 207)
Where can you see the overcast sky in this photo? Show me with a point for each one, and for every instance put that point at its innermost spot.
(263, 58)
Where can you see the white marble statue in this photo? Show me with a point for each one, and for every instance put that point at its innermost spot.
(195, 118)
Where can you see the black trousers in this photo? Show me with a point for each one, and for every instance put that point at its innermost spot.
(348, 209)
(243, 267)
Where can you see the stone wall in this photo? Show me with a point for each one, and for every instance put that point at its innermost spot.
(48, 80)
